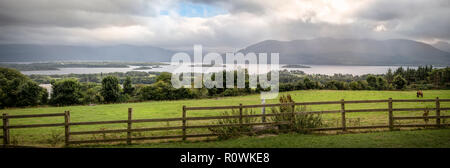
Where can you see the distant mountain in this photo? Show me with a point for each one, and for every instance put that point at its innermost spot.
(316, 51)
(441, 45)
(123, 53)
(352, 52)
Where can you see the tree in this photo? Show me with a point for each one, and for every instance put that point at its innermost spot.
(17, 89)
(110, 89)
(128, 87)
(165, 76)
(399, 82)
(30, 94)
(389, 76)
(382, 84)
(355, 85)
(66, 92)
(372, 81)
(309, 84)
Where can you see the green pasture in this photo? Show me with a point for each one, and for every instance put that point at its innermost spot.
(169, 109)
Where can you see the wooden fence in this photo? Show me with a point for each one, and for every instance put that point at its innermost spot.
(184, 118)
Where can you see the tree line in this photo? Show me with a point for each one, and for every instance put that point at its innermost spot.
(18, 90)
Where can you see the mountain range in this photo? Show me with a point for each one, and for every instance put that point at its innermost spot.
(332, 51)
(326, 51)
(45, 53)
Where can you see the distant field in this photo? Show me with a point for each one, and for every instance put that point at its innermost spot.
(166, 109)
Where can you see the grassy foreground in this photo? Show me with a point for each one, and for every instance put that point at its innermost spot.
(436, 138)
(169, 109)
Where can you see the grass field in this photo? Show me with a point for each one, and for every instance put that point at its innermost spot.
(436, 138)
(166, 109)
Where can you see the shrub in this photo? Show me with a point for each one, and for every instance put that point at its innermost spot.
(110, 89)
(128, 87)
(17, 89)
(298, 122)
(231, 92)
(29, 93)
(399, 82)
(234, 130)
(66, 92)
(372, 82)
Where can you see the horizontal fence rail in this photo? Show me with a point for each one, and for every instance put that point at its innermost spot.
(184, 127)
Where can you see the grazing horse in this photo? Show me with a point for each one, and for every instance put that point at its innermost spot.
(419, 93)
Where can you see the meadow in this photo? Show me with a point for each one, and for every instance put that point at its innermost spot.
(54, 136)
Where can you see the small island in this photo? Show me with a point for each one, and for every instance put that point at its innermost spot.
(142, 68)
(295, 66)
(207, 65)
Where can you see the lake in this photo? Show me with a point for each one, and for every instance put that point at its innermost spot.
(314, 69)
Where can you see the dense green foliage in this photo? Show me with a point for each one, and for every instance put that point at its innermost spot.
(424, 77)
(17, 90)
(128, 87)
(66, 92)
(110, 89)
(135, 76)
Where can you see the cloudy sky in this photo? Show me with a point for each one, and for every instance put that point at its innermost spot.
(223, 25)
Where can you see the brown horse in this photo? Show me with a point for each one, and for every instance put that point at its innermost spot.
(419, 93)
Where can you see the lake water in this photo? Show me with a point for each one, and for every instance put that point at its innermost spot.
(315, 69)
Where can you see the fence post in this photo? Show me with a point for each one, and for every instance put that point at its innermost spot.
(391, 115)
(438, 112)
(344, 127)
(184, 123)
(293, 115)
(5, 129)
(263, 111)
(240, 115)
(130, 111)
(67, 127)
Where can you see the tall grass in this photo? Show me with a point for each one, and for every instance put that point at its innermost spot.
(233, 129)
(293, 116)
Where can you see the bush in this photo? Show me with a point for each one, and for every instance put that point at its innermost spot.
(30, 94)
(234, 130)
(299, 122)
(128, 87)
(17, 89)
(110, 89)
(231, 92)
(91, 93)
(372, 82)
(66, 92)
(399, 82)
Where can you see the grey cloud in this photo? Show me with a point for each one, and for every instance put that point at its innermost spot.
(412, 18)
(69, 21)
(73, 13)
(384, 10)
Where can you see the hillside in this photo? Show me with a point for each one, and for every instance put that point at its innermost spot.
(441, 45)
(352, 51)
(325, 51)
(127, 53)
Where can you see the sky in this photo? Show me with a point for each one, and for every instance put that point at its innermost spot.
(218, 25)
